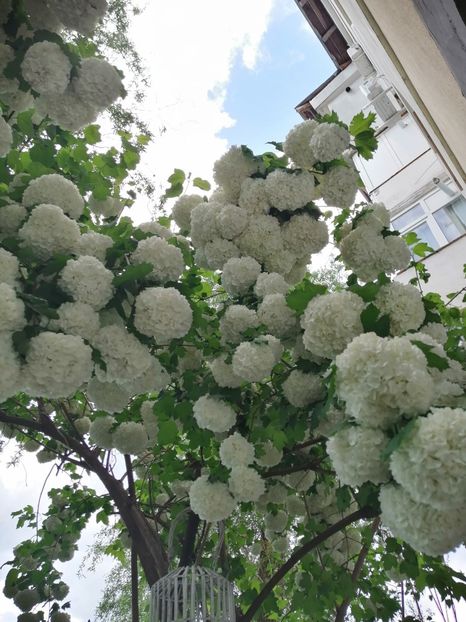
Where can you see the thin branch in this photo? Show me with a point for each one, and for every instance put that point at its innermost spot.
(313, 465)
(134, 555)
(297, 557)
(358, 566)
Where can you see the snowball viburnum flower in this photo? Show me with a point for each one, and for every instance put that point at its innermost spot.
(163, 313)
(212, 502)
(235, 450)
(214, 414)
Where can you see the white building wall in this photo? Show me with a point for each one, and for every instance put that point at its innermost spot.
(446, 270)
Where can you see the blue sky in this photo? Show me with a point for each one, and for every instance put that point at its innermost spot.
(292, 63)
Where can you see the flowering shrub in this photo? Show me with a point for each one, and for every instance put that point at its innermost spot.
(199, 347)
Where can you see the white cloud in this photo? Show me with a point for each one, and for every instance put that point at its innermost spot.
(189, 49)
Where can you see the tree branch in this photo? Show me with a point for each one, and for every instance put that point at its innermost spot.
(134, 555)
(298, 555)
(358, 566)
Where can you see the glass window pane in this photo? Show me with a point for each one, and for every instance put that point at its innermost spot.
(446, 224)
(424, 233)
(406, 219)
(459, 209)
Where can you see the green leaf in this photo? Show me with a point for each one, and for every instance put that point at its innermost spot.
(92, 134)
(132, 273)
(24, 122)
(299, 297)
(278, 146)
(396, 441)
(360, 123)
(372, 323)
(176, 181)
(131, 158)
(168, 432)
(39, 305)
(411, 238)
(433, 360)
(421, 249)
(203, 184)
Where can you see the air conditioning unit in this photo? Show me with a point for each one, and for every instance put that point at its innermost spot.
(379, 98)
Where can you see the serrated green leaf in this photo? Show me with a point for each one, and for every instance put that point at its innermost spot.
(92, 134)
(361, 123)
(299, 297)
(132, 273)
(203, 184)
(168, 432)
(39, 305)
(396, 441)
(433, 360)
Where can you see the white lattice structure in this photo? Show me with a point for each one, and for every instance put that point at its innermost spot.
(192, 594)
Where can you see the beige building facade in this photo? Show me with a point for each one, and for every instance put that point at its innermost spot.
(405, 60)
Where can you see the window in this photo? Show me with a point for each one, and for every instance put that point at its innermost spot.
(437, 226)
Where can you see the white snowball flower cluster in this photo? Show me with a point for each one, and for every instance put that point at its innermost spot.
(239, 275)
(149, 419)
(425, 528)
(78, 318)
(155, 378)
(12, 216)
(182, 209)
(276, 522)
(301, 480)
(125, 357)
(6, 137)
(295, 506)
(87, 280)
(204, 223)
(223, 373)
(437, 331)
(245, 484)
(27, 599)
(100, 431)
(381, 379)
(235, 451)
(367, 253)
(254, 361)
(277, 316)
(301, 389)
(57, 365)
(329, 141)
(107, 208)
(83, 425)
(48, 231)
(107, 396)
(271, 455)
(339, 186)
(130, 438)
(356, 455)
(330, 322)
(212, 502)
(270, 283)
(404, 306)
(297, 145)
(163, 313)
(10, 370)
(430, 463)
(46, 68)
(231, 221)
(9, 268)
(166, 259)
(232, 169)
(236, 320)
(11, 309)
(304, 235)
(218, 252)
(80, 15)
(68, 111)
(289, 191)
(95, 245)
(253, 197)
(262, 239)
(98, 82)
(214, 414)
